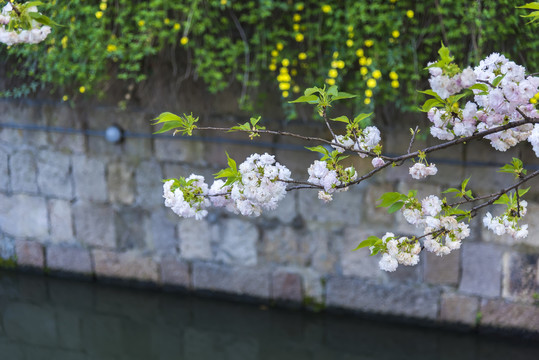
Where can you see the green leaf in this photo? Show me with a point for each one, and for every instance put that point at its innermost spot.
(531, 6)
(389, 198)
(343, 95)
(482, 87)
(429, 104)
(395, 207)
(361, 117)
(431, 93)
(343, 119)
(319, 149)
(451, 190)
(333, 91)
(231, 162)
(370, 241)
(504, 199)
(497, 80)
(166, 116)
(522, 192)
(42, 19)
(311, 99)
(170, 125)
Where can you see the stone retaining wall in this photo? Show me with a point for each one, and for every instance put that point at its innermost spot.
(77, 204)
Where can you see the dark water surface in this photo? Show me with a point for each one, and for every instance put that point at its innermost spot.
(57, 319)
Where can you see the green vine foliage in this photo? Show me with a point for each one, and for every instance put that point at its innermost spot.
(377, 49)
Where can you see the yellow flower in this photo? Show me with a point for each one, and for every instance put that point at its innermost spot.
(274, 53)
(533, 100)
(223, 2)
(350, 28)
(184, 40)
(363, 71)
(99, 14)
(64, 42)
(299, 37)
(166, 21)
(294, 72)
(111, 47)
(296, 18)
(296, 89)
(393, 75)
(377, 74)
(283, 78)
(371, 83)
(283, 70)
(340, 64)
(369, 43)
(285, 94)
(64, 98)
(326, 8)
(279, 46)
(299, 7)
(103, 6)
(82, 89)
(334, 64)
(333, 73)
(367, 101)
(368, 61)
(141, 23)
(295, 27)
(360, 53)
(272, 67)
(362, 61)
(536, 96)
(285, 62)
(330, 82)
(284, 86)
(410, 13)
(368, 93)
(395, 84)
(351, 35)
(176, 26)
(302, 56)
(395, 34)
(349, 43)
(335, 54)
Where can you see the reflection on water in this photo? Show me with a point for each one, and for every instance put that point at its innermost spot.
(44, 318)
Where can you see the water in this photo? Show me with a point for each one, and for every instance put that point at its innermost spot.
(58, 319)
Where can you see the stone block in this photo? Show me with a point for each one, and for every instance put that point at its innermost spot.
(393, 299)
(69, 259)
(127, 265)
(442, 270)
(195, 240)
(89, 176)
(316, 245)
(4, 172)
(23, 172)
(61, 221)
(176, 273)
(148, 176)
(30, 254)
(286, 286)
(30, 324)
(130, 225)
(286, 211)
(7, 247)
(344, 209)
(94, 225)
(237, 280)
(238, 243)
(281, 245)
(533, 225)
(481, 269)
(505, 315)
(179, 150)
(358, 263)
(520, 276)
(459, 309)
(161, 232)
(54, 174)
(374, 214)
(24, 216)
(120, 183)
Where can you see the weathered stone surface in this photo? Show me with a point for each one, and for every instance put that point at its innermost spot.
(237, 280)
(24, 216)
(175, 272)
(238, 243)
(442, 270)
(54, 174)
(286, 211)
(286, 286)
(520, 276)
(69, 259)
(120, 183)
(29, 253)
(481, 269)
(4, 172)
(459, 309)
(394, 299)
(375, 214)
(127, 265)
(89, 175)
(500, 314)
(281, 245)
(7, 247)
(317, 245)
(130, 228)
(23, 172)
(178, 149)
(195, 240)
(94, 224)
(345, 208)
(161, 232)
(30, 324)
(358, 263)
(61, 221)
(149, 187)
(533, 225)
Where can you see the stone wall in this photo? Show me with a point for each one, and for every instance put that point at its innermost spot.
(74, 203)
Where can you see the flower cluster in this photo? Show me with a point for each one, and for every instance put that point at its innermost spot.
(502, 95)
(322, 174)
(11, 37)
(403, 251)
(366, 140)
(260, 185)
(421, 171)
(507, 223)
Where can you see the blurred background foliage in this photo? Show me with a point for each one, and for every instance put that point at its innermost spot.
(375, 48)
